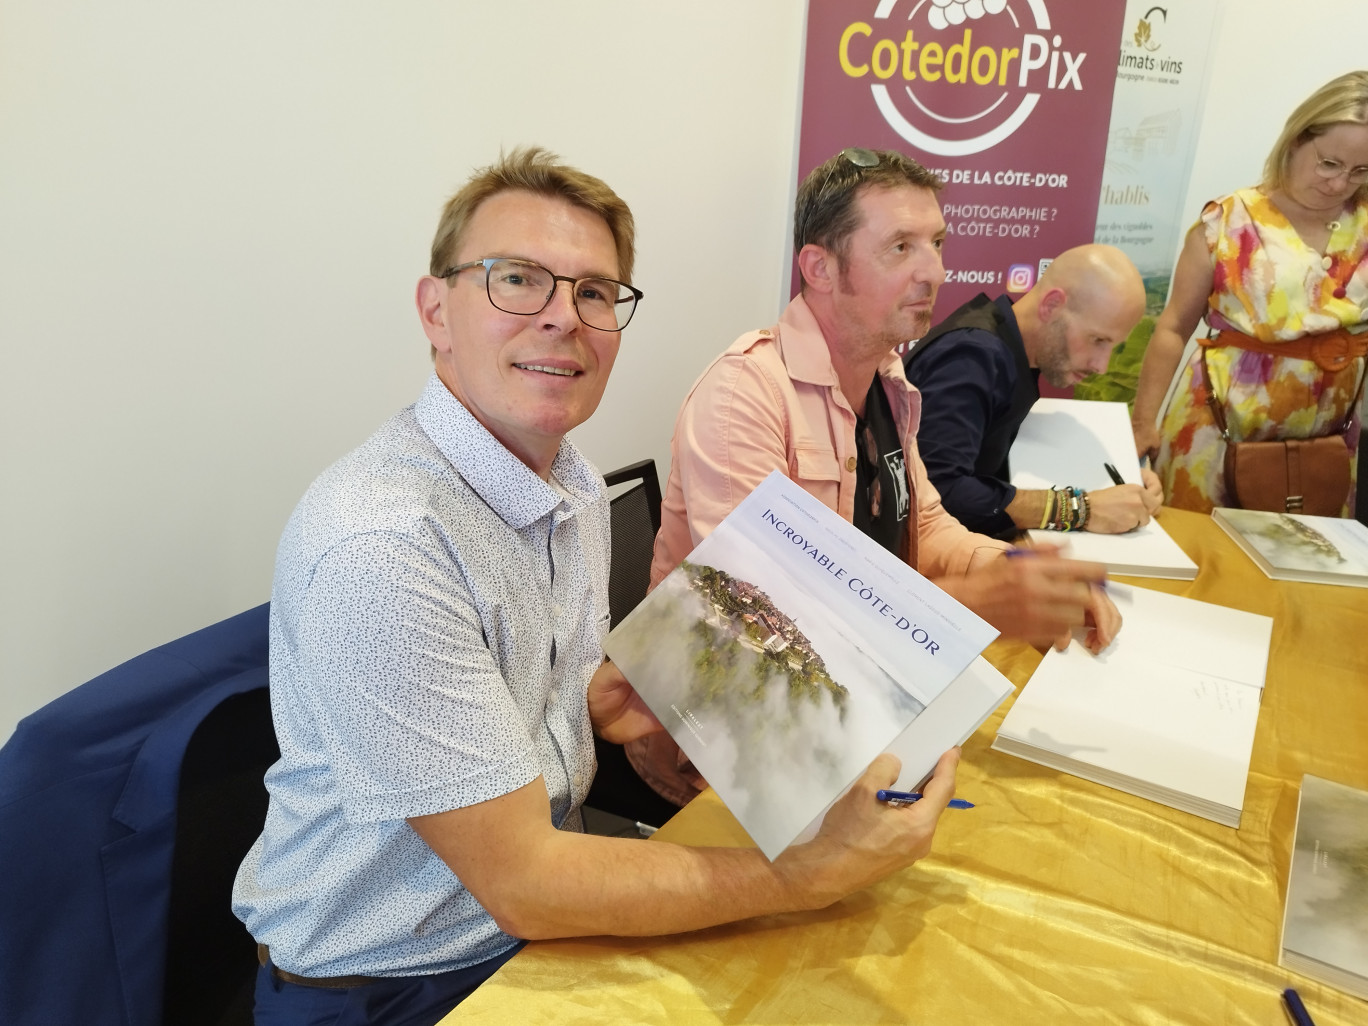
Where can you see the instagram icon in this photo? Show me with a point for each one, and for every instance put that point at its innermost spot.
(1020, 278)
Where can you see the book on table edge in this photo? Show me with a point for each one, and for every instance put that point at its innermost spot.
(1167, 712)
(1070, 442)
(1297, 547)
(1325, 915)
(788, 650)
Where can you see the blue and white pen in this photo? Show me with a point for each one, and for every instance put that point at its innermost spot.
(1296, 1011)
(908, 797)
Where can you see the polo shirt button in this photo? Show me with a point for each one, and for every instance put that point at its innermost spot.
(551, 697)
(579, 779)
(850, 464)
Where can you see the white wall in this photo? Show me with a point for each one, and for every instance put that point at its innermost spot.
(212, 218)
(1267, 56)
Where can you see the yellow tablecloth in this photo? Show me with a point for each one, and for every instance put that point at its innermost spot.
(1055, 901)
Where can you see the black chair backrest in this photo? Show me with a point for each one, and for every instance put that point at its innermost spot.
(636, 519)
(210, 957)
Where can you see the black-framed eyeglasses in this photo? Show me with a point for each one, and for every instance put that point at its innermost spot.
(523, 287)
(1330, 169)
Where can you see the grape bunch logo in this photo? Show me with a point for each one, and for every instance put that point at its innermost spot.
(957, 77)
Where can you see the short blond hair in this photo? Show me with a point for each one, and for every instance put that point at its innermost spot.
(538, 171)
(1342, 100)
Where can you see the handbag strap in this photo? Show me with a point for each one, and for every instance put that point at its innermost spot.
(1218, 408)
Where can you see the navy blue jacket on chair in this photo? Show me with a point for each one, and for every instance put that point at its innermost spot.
(88, 792)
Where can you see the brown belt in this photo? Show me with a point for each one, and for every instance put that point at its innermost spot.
(1331, 350)
(264, 958)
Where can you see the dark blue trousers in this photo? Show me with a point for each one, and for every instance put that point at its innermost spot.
(400, 1001)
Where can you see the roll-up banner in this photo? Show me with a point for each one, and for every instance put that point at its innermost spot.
(1007, 100)
(1156, 110)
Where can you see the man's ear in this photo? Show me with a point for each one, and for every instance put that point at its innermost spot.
(430, 298)
(1050, 305)
(818, 268)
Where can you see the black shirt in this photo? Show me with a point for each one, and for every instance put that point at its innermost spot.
(882, 495)
(976, 388)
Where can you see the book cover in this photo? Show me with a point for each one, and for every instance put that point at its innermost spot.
(1325, 919)
(1070, 442)
(1295, 547)
(787, 651)
(1167, 712)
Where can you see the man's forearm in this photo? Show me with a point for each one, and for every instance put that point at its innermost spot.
(602, 885)
(540, 882)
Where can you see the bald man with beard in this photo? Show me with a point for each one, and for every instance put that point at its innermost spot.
(978, 373)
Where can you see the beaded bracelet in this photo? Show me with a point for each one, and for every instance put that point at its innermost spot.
(1067, 509)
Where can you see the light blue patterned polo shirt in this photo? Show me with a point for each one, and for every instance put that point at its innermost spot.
(437, 612)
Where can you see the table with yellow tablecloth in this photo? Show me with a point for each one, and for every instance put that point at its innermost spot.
(1056, 900)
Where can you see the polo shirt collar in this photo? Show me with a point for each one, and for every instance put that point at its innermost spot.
(507, 485)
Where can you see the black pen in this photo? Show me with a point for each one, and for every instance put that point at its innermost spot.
(1114, 474)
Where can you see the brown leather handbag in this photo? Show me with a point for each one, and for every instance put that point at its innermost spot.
(1308, 475)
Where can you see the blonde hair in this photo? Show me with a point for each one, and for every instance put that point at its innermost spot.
(538, 171)
(1342, 100)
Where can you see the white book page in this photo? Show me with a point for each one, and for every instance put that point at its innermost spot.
(1173, 701)
(1173, 727)
(1069, 441)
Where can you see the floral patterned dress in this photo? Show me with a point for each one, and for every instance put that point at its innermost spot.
(1271, 285)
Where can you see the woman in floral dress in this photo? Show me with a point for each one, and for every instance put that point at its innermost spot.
(1280, 271)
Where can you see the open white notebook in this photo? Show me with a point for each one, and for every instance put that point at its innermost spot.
(1069, 442)
(1166, 712)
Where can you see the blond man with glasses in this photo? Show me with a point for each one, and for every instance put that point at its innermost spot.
(437, 671)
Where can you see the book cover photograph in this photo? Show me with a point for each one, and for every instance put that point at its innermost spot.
(786, 652)
(1325, 921)
(1293, 546)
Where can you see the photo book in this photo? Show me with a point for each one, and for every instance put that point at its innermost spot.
(1294, 547)
(788, 650)
(1070, 442)
(1325, 919)
(1166, 712)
